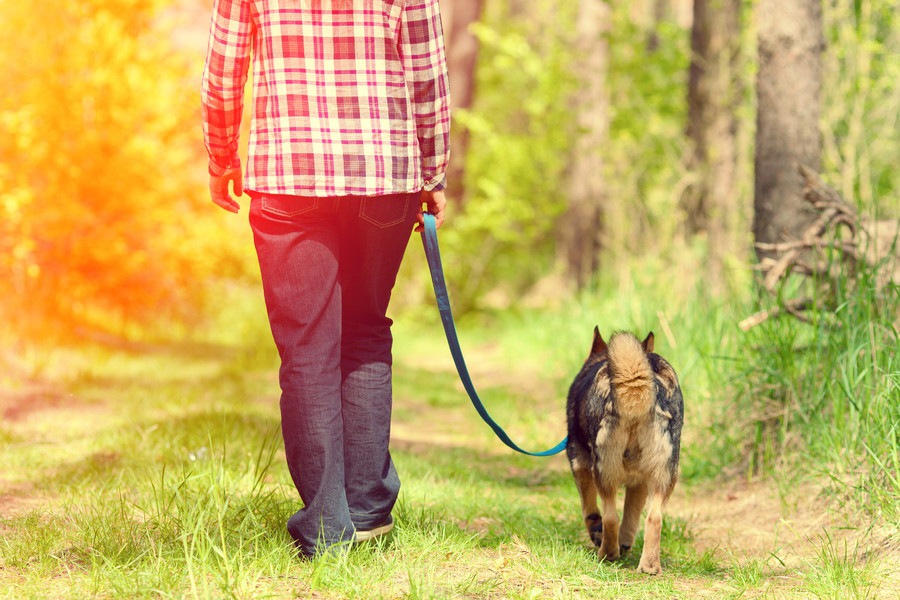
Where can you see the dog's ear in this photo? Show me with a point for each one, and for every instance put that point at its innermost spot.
(599, 345)
(647, 344)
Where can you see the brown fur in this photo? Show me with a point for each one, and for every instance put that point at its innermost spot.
(625, 413)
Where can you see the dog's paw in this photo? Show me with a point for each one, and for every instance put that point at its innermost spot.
(606, 555)
(595, 528)
(650, 566)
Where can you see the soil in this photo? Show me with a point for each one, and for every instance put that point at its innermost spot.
(742, 522)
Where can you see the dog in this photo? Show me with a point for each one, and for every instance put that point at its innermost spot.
(625, 412)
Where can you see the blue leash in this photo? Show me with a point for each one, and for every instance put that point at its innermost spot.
(433, 255)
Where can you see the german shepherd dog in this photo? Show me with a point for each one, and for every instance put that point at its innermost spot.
(625, 413)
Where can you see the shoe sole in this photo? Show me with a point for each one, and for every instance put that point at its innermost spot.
(371, 534)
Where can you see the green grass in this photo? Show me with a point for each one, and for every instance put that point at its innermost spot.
(839, 572)
(157, 471)
(824, 398)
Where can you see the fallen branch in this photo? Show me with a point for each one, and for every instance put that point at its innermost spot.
(835, 230)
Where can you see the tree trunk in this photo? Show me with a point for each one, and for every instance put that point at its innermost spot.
(462, 56)
(714, 93)
(787, 124)
(581, 232)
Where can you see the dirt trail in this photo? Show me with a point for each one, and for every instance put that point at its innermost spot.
(742, 523)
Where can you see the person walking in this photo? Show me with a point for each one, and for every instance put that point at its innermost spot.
(349, 139)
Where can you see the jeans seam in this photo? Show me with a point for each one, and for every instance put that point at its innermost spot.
(267, 208)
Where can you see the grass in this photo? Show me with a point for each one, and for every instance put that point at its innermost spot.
(836, 572)
(157, 471)
(828, 390)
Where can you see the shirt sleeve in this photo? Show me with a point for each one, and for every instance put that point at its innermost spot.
(425, 70)
(224, 77)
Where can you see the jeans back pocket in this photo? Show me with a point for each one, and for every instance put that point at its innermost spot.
(287, 206)
(387, 211)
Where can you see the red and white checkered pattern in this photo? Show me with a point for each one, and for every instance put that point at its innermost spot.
(349, 97)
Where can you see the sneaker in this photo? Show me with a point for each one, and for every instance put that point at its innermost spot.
(375, 532)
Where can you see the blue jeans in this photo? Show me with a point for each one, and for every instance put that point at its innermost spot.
(328, 267)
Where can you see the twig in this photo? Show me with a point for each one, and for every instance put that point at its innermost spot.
(807, 255)
(794, 307)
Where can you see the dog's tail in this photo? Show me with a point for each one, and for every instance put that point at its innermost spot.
(631, 375)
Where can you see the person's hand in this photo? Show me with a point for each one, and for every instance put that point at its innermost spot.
(435, 202)
(218, 189)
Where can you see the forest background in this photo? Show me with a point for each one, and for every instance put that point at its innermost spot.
(606, 170)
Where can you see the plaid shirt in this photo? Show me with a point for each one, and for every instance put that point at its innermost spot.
(349, 98)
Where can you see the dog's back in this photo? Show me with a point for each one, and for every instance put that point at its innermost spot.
(631, 378)
(626, 409)
(625, 414)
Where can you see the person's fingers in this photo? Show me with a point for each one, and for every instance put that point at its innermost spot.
(218, 192)
(438, 208)
(226, 202)
(237, 182)
(435, 203)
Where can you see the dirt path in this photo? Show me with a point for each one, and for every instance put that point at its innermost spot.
(745, 524)
(753, 525)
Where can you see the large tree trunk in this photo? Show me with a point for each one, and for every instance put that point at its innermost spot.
(714, 94)
(462, 56)
(787, 124)
(581, 232)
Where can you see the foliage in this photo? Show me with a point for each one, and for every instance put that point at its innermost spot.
(824, 394)
(828, 390)
(521, 128)
(522, 132)
(861, 103)
(99, 141)
(648, 87)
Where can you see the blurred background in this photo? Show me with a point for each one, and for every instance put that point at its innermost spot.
(595, 143)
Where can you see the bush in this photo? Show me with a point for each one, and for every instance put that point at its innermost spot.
(102, 169)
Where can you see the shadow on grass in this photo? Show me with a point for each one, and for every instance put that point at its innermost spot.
(213, 465)
(230, 436)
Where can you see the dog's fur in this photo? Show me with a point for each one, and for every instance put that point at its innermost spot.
(625, 413)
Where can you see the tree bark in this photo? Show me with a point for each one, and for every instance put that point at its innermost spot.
(714, 93)
(713, 96)
(789, 84)
(462, 57)
(581, 232)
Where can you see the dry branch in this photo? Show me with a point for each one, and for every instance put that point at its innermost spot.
(793, 307)
(835, 230)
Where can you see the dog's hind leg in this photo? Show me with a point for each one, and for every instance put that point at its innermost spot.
(587, 490)
(652, 534)
(609, 547)
(635, 498)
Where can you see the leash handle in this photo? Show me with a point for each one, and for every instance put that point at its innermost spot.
(433, 256)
